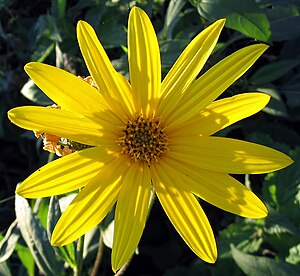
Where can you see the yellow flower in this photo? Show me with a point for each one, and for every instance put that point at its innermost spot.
(145, 134)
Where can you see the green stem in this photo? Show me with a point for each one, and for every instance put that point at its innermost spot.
(79, 256)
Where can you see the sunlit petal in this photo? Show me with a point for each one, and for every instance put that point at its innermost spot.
(187, 67)
(185, 213)
(64, 124)
(144, 61)
(131, 213)
(215, 81)
(65, 89)
(64, 175)
(227, 155)
(91, 205)
(218, 189)
(116, 92)
(223, 113)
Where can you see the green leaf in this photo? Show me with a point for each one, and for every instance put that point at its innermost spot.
(170, 51)
(43, 50)
(287, 183)
(8, 244)
(294, 256)
(34, 94)
(26, 258)
(66, 252)
(291, 90)
(246, 235)
(261, 266)
(58, 8)
(272, 71)
(246, 18)
(36, 238)
(171, 18)
(42, 212)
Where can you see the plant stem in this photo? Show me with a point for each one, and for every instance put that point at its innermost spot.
(123, 268)
(99, 255)
(79, 256)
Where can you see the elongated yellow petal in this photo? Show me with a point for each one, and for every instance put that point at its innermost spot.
(227, 155)
(144, 61)
(64, 124)
(223, 113)
(187, 67)
(65, 174)
(216, 80)
(185, 213)
(113, 86)
(65, 89)
(218, 189)
(91, 205)
(131, 213)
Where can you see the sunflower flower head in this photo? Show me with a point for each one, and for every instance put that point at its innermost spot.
(148, 134)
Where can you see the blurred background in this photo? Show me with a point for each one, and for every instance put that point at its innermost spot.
(44, 31)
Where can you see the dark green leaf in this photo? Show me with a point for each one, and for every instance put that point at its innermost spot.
(66, 252)
(170, 51)
(43, 50)
(261, 266)
(287, 190)
(246, 18)
(34, 94)
(4, 269)
(291, 90)
(272, 71)
(8, 244)
(276, 106)
(58, 8)
(36, 238)
(285, 28)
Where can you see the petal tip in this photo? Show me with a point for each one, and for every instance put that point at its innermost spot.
(30, 67)
(222, 22)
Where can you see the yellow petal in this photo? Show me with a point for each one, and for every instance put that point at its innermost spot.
(91, 205)
(64, 124)
(185, 213)
(65, 89)
(113, 86)
(64, 175)
(131, 213)
(187, 67)
(144, 61)
(227, 155)
(218, 189)
(216, 80)
(223, 113)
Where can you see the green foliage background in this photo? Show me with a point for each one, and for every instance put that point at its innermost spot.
(44, 31)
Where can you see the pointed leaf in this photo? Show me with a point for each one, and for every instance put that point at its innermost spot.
(260, 266)
(8, 244)
(36, 238)
(246, 18)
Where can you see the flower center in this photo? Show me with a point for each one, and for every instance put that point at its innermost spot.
(143, 139)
